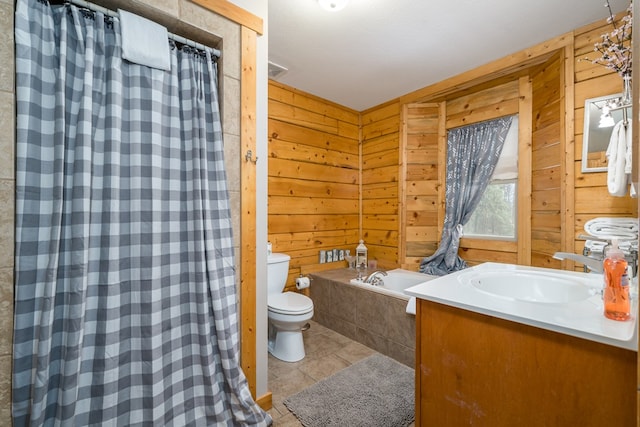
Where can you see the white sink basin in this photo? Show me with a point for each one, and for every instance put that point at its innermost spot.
(567, 302)
(532, 287)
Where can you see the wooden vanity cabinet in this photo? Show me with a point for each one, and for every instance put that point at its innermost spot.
(478, 370)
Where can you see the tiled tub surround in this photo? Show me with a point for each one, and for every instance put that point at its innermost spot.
(376, 320)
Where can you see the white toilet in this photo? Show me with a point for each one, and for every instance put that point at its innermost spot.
(288, 312)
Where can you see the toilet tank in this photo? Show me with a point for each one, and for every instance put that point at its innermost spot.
(277, 272)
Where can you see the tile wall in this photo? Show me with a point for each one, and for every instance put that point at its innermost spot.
(7, 191)
(376, 320)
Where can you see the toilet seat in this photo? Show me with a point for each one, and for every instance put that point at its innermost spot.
(289, 303)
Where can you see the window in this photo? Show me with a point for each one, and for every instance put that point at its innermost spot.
(496, 214)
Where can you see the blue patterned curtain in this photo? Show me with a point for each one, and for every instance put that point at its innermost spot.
(472, 154)
(125, 310)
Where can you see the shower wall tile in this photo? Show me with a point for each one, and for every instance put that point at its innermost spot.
(170, 7)
(234, 204)
(231, 158)
(230, 106)
(231, 62)
(6, 306)
(7, 189)
(5, 389)
(7, 142)
(203, 19)
(7, 65)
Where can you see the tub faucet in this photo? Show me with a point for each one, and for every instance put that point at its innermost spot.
(373, 277)
(592, 264)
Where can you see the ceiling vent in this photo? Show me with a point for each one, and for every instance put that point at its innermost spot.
(276, 70)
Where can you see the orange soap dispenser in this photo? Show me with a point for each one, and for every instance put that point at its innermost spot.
(617, 303)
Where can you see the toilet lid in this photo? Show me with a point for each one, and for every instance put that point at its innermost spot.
(290, 303)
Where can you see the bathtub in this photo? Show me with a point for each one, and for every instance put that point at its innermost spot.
(375, 316)
(395, 282)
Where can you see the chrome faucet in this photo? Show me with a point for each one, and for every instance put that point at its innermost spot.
(592, 264)
(373, 277)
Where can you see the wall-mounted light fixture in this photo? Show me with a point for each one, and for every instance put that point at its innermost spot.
(333, 5)
(606, 120)
(607, 107)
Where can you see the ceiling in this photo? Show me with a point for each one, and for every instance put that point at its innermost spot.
(376, 50)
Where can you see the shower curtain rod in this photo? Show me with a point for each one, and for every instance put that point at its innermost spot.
(95, 8)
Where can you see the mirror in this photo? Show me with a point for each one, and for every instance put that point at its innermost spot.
(597, 130)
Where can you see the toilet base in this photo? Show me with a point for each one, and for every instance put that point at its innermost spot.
(285, 335)
(287, 346)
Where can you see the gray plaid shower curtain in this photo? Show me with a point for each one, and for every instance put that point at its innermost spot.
(125, 298)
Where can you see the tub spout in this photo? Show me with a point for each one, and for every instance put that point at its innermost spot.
(373, 277)
(592, 264)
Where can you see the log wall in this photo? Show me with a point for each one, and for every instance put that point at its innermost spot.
(380, 183)
(547, 160)
(591, 81)
(314, 167)
(422, 171)
(496, 101)
(336, 174)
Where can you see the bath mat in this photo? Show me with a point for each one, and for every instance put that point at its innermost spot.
(376, 391)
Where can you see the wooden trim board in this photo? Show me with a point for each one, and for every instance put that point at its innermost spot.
(248, 98)
(524, 171)
(265, 401)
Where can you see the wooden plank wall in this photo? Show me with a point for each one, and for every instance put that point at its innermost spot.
(314, 168)
(421, 167)
(380, 183)
(592, 198)
(546, 164)
(490, 103)
(313, 178)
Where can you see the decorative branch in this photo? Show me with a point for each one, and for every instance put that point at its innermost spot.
(615, 46)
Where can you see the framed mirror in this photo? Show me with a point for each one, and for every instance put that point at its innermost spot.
(600, 116)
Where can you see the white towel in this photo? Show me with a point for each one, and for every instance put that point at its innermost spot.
(629, 162)
(628, 150)
(144, 42)
(411, 306)
(612, 228)
(617, 177)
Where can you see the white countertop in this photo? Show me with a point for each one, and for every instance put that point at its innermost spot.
(583, 319)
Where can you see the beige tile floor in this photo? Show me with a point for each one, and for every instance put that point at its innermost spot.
(327, 353)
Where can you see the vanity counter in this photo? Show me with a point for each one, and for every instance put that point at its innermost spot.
(566, 302)
(487, 367)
